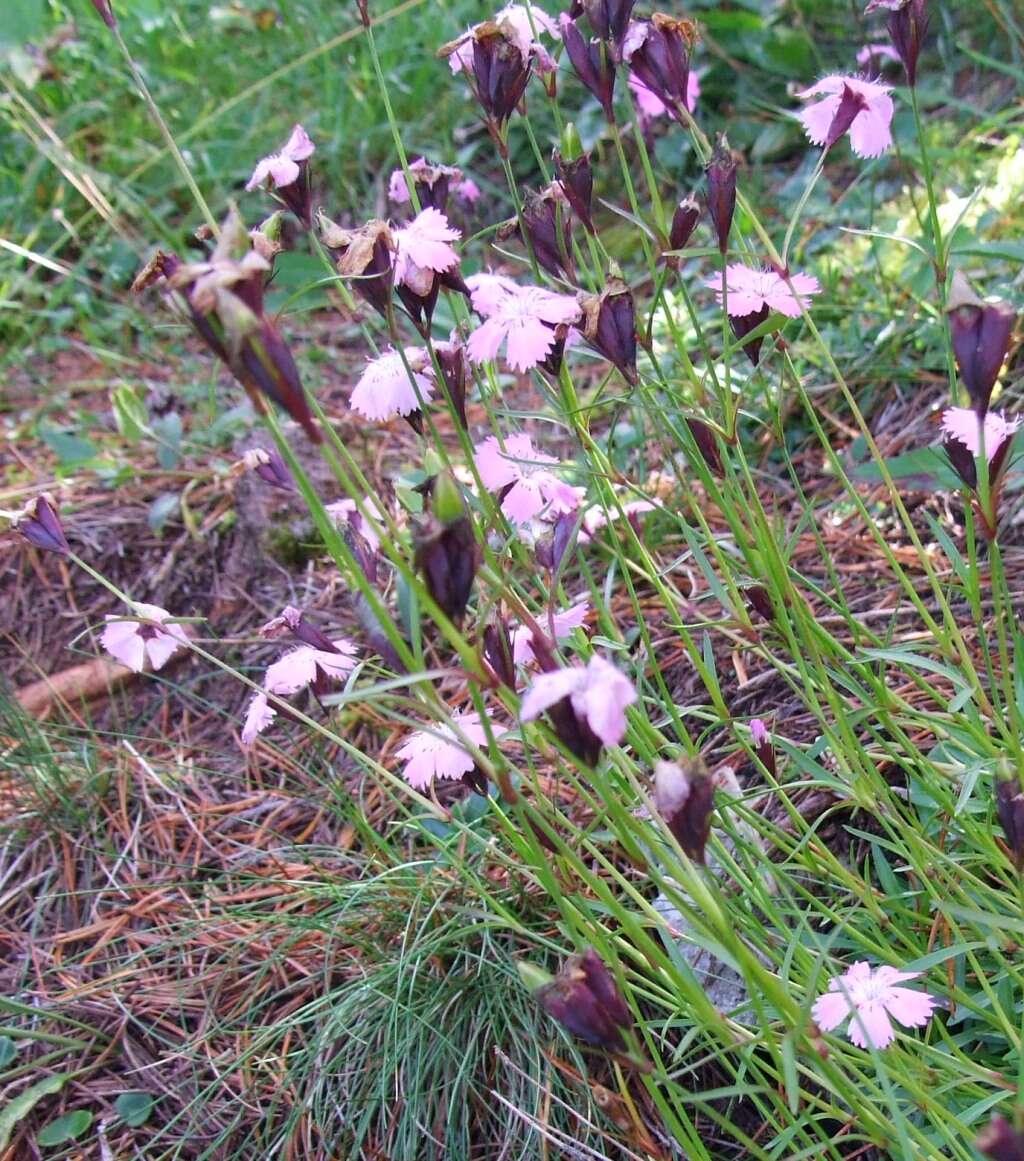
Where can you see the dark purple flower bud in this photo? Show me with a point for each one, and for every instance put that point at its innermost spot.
(760, 601)
(547, 222)
(498, 653)
(660, 58)
(451, 358)
(908, 26)
(721, 175)
(551, 548)
(577, 181)
(1000, 1141)
(39, 523)
(743, 325)
(447, 552)
(707, 445)
(685, 797)
(981, 338)
(585, 999)
(851, 105)
(270, 468)
(500, 72)
(1010, 809)
(570, 728)
(609, 325)
(593, 63)
(365, 257)
(962, 461)
(684, 222)
(608, 18)
(106, 12)
(266, 362)
(376, 636)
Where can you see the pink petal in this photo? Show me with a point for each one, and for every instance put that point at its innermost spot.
(162, 648)
(292, 672)
(425, 241)
(870, 1026)
(528, 343)
(870, 135)
(830, 1010)
(123, 642)
(603, 700)
(817, 119)
(489, 291)
(485, 342)
(569, 619)
(468, 190)
(299, 146)
(259, 716)
(385, 388)
(648, 102)
(260, 173)
(829, 84)
(496, 468)
(430, 755)
(911, 1008)
(548, 688)
(523, 501)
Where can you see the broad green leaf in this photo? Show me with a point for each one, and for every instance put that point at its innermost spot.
(134, 1108)
(66, 1128)
(15, 1111)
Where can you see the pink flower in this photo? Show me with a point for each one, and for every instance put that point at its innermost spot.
(753, 290)
(468, 190)
(759, 732)
(386, 389)
(259, 716)
(131, 642)
(876, 53)
(489, 291)
(596, 517)
(564, 623)
(869, 997)
(421, 169)
(283, 168)
(530, 488)
(961, 423)
(438, 753)
(423, 249)
(346, 512)
(870, 135)
(524, 320)
(599, 694)
(306, 665)
(651, 105)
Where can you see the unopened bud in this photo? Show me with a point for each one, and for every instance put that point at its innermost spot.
(684, 796)
(39, 523)
(585, 999)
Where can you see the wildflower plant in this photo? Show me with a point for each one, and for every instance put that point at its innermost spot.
(588, 599)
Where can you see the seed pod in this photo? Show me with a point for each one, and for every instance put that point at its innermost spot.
(721, 177)
(707, 445)
(661, 58)
(1010, 809)
(609, 325)
(447, 552)
(1000, 1141)
(577, 181)
(548, 226)
(585, 999)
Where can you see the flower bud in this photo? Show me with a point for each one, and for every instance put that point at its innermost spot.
(106, 13)
(550, 549)
(451, 358)
(270, 468)
(592, 62)
(446, 548)
(721, 177)
(497, 651)
(685, 797)
(570, 144)
(1000, 1141)
(585, 999)
(908, 26)
(760, 601)
(762, 740)
(704, 437)
(39, 523)
(500, 72)
(577, 182)
(609, 325)
(546, 221)
(608, 18)
(660, 58)
(981, 338)
(1010, 810)
(684, 222)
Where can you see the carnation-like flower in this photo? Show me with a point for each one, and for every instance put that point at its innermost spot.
(869, 997)
(429, 179)
(564, 622)
(961, 424)
(524, 319)
(597, 516)
(488, 291)
(258, 717)
(423, 249)
(518, 467)
(520, 25)
(283, 168)
(598, 693)
(306, 666)
(873, 55)
(438, 753)
(870, 135)
(131, 642)
(652, 106)
(386, 389)
(753, 290)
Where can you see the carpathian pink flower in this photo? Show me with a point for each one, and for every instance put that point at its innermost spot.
(519, 468)
(423, 249)
(488, 291)
(260, 714)
(759, 732)
(283, 168)
(564, 623)
(386, 389)
(753, 290)
(961, 424)
(421, 169)
(599, 694)
(596, 517)
(131, 642)
(870, 135)
(652, 106)
(869, 997)
(516, 22)
(303, 666)
(524, 320)
(438, 753)
(875, 54)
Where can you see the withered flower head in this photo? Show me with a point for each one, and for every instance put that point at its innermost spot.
(498, 651)
(1000, 1141)
(684, 795)
(593, 63)
(659, 56)
(365, 256)
(270, 468)
(572, 166)
(684, 222)
(721, 176)
(499, 71)
(608, 18)
(609, 325)
(548, 225)
(981, 334)
(585, 999)
(39, 523)
(451, 357)
(447, 552)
